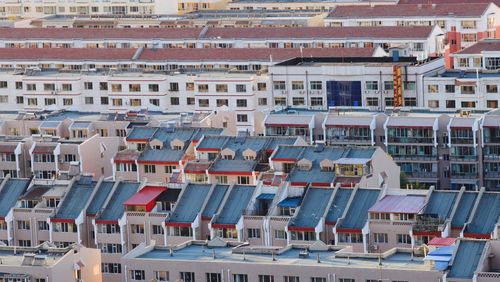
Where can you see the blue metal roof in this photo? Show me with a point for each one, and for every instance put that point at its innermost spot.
(466, 259)
(206, 131)
(236, 203)
(141, 132)
(164, 155)
(12, 190)
(486, 215)
(463, 213)
(221, 165)
(291, 202)
(265, 196)
(190, 203)
(288, 152)
(215, 200)
(339, 204)
(441, 203)
(315, 175)
(75, 200)
(100, 197)
(357, 215)
(313, 207)
(213, 142)
(115, 209)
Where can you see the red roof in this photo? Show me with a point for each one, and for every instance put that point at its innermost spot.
(145, 196)
(246, 54)
(41, 54)
(483, 45)
(7, 148)
(410, 10)
(497, 2)
(215, 33)
(126, 156)
(438, 241)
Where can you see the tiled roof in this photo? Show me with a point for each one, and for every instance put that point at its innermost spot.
(488, 45)
(247, 54)
(44, 148)
(221, 165)
(345, 121)
(283, 120)
(161, 155)
(402, 121)
(410, 10)
(141, 133)
(127, 156)
(49, 54)
(497, 2)
(399, 204)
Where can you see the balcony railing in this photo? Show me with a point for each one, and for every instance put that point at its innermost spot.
(492, 140)
(492, 174)
(464, 175)
(465, 158)
(421, 174)
(464, 140)
(361, 139)
(419, 140)
(415, 157)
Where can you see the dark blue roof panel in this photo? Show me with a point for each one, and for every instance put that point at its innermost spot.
(463, 213)
(291, 202)
(115, 209)
(215, 200)
(190, 203)
(357, 215)
(313, 207)
(466, 259)
(441, 203)
(76, 199)
(236, 203)
(486, 215)
(12, 190)
(338, 205)
(100, 197)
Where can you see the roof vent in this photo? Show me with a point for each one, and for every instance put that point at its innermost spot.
(319, 147)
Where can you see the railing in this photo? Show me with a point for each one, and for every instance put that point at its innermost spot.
(349, 138)
(421, 174)
(464, 175)
(488, 274)
(415, 157)
(456, 140)
(492, 174)
(419, 140)
(466, 158)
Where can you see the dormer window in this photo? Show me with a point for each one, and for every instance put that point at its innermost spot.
(177, 148)
(304, 164)
(249, 158)
(227, 157)
(157, 147)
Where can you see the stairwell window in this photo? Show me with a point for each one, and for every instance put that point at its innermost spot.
(243, 180)
(149, 168)
(137, 228)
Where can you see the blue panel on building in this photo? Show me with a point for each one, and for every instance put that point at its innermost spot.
(343, 93)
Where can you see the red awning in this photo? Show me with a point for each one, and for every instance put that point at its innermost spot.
(145, 196)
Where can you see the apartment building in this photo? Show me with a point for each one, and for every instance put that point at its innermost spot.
(298, 5)
(425, 41)
(48, 263)
(463, 23)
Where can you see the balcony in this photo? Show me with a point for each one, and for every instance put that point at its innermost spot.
(414, 157)
(421, 174)
(349, 139)
(492, 174)
(464, 158)
(462, 140)
(464, 175)
(428, 223)
(417, 140)
(494, 139)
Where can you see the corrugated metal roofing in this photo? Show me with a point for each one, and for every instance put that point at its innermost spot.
(161, 155)
(441, 203)
(100, 197)
(236, 203)
(291, 202)
(339, 204)
(215, 200)
(398, 121)
(12, 190)
(277, 119)
(75, 200)
(221, 165)
(313, 207)
(141, 132)
(145, 196)
(399, 204)
(466, 259)
(115, 208)
(190, 203)
(213, 142)
(357, 214)
(466, 204)
(50, 124)
(80, 125)
(265, 196)
(335, 120)
(486, 215)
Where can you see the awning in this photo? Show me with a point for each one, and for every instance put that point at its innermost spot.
(265, 196)
(352, 161)
(290, 202)
(145, 196)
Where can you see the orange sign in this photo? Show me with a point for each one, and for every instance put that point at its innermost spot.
(398, 87)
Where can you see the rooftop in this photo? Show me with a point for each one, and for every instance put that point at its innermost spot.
(114, 208)
(357, 214)
(145, 196)
(189, 204)
(312, 209)
(11, 191)
(399, 204)
(236, 203)
(76, 199)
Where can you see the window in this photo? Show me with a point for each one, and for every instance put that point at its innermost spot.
(298, 101)
(174, 101)
(104, 100)
(433, 88)
(316, 101)
(380, 237)
(174, 87)
(409, 85)
(89, 100)
(116, 88)
(468, 24)
(388, 85)
(49, 87)
(221, 87)
(467, 89)
(241, 103)
(103, 86)
(67, 87)
(280, 234)
(297, 85)
(262, 101)
(240, 278)
(302, 236)
(253, 233)
(280, 101)
(30, 87)
(43, 225)
(50, 101)
(433, 104)
(243, 180)
(203, 88)
(149, 168)
(318, 279)
(23, 224)
(111, 267)
(350, 237)
(491, 88)
(189, 86)
(404, 239)
(242, 118)
(134, 88)
(450, 88)
(190, 101)
(279, 85)
(162, 276)
(492, 104)
(153, 88)
(346, 280)
(316, 85)
(24, 243)
(187, 276)
(266, 278)
(372, 102)
(108, 248)
(87, 85)
(372, 85)
(261, 86)
(19, 85)
(241, 88)
(222, 179)
(157, 229)
(468, 104)
(71, 157)
(138, 275)
(137, 228)
(67, 101)
(291, 279)
(169, 168)
(154, 102)
(203, 103)
(213, 277)
(450, 104)
(19, 100)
